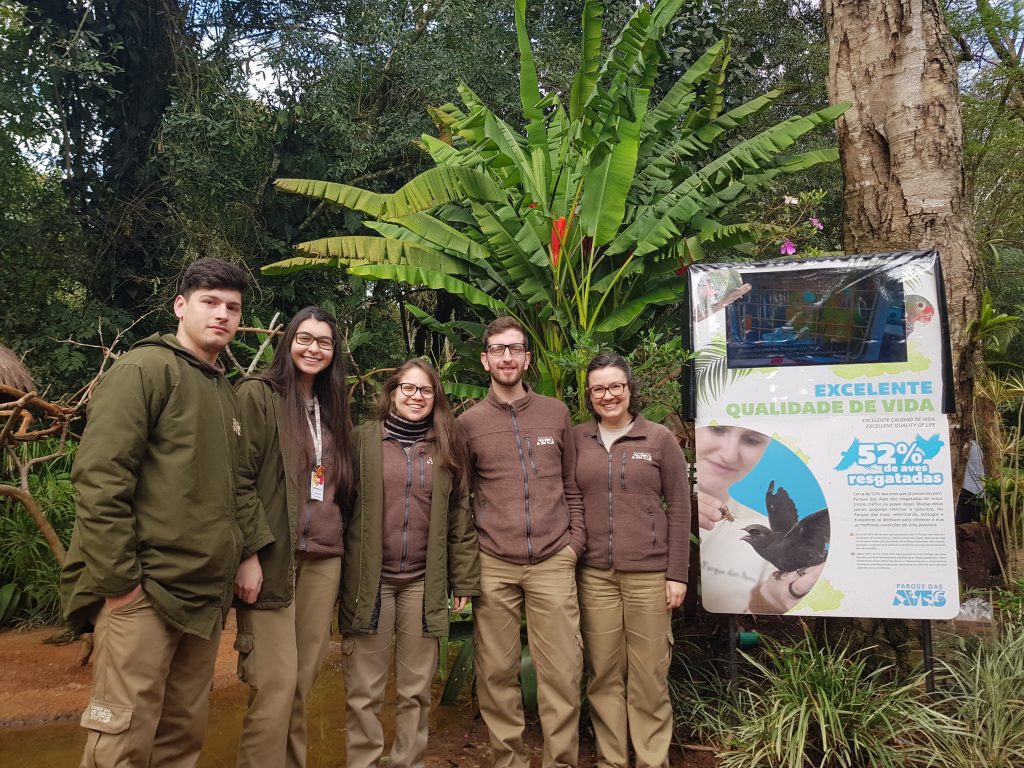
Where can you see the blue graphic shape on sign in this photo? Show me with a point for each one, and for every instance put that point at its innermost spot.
(788, 471)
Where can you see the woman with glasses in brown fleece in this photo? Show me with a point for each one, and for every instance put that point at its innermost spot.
(633, 572)
(409, 543)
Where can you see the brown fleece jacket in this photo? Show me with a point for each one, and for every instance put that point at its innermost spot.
(320, 521)
(628, 527)
(526, 505)
(408, 484)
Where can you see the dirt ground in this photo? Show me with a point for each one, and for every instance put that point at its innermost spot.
(44, 688)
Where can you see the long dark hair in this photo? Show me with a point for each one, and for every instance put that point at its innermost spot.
(330, 388)
(449, 443)
(611, 360)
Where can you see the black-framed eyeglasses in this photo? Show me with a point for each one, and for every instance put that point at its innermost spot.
(305, 339)
(497, 350)
(598, 390)
(408, 389)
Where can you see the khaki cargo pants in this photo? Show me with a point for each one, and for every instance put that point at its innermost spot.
(280, 652)
(367, 663)
(627, 644)
(547, 590)
(150, 690)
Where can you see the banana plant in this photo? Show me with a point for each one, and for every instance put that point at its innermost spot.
(582, 224)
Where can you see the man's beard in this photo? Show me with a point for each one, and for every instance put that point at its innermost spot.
(506, 377)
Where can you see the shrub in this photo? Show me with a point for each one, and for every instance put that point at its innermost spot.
(806, 706)
(983, 691)
(26, 560)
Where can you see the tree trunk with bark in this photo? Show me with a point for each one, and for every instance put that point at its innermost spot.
(901, 148)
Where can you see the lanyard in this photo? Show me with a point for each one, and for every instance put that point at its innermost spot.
(315, 432)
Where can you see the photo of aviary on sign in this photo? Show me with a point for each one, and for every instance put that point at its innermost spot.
(817, 317)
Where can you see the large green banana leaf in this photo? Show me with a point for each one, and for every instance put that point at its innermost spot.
(362, 200)
(643, 189)
(410, 275)
(699, 193)
(444, 184)
(590, 54)
(663, 293)
(356, 249)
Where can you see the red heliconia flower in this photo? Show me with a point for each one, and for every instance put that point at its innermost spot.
(557, 237)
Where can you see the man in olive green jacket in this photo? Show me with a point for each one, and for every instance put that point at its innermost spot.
(156, 541)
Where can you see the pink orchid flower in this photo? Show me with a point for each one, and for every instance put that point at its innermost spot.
(788, 247)
(816, 223)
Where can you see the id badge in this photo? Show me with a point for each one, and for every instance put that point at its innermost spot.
(316, 484)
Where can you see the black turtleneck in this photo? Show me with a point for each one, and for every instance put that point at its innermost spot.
(404, 431)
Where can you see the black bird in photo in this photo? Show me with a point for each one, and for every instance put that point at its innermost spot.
(789, 544)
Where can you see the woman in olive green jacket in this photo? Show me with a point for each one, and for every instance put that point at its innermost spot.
(409, 540)
(296, 471)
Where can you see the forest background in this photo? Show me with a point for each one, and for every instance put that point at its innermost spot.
(137, 136)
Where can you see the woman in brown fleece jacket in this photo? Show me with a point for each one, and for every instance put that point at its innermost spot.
(637, 504)
(409, 542)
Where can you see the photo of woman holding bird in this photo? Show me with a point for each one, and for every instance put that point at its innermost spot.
(755, 561)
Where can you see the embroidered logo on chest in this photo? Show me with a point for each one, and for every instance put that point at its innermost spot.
(642, 456)
(237, 426)
(430, 459)
(545, 441)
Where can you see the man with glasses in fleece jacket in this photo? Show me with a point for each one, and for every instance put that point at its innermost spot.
(529, 519)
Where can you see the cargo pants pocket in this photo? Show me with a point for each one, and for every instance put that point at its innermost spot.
(108, 742)
(244, 645)
(665, 662)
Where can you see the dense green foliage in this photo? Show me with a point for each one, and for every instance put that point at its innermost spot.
(805, 705)
(26, 561)
(982, 693)
(988, 37)
(240, 92)
(802, 705)
(583, 225)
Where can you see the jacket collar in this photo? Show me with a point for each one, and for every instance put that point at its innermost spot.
(170, 341)
(520, 404)
(641, 429)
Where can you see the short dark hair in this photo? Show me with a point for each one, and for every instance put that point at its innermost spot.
(612, 360)
(213, 273)
(502, 324)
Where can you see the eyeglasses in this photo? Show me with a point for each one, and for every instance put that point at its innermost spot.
(305, 339)
(411, 389)
(616, 389)
(497, 350)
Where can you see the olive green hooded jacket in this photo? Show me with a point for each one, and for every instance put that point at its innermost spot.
(156, 476)
(453, 560)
